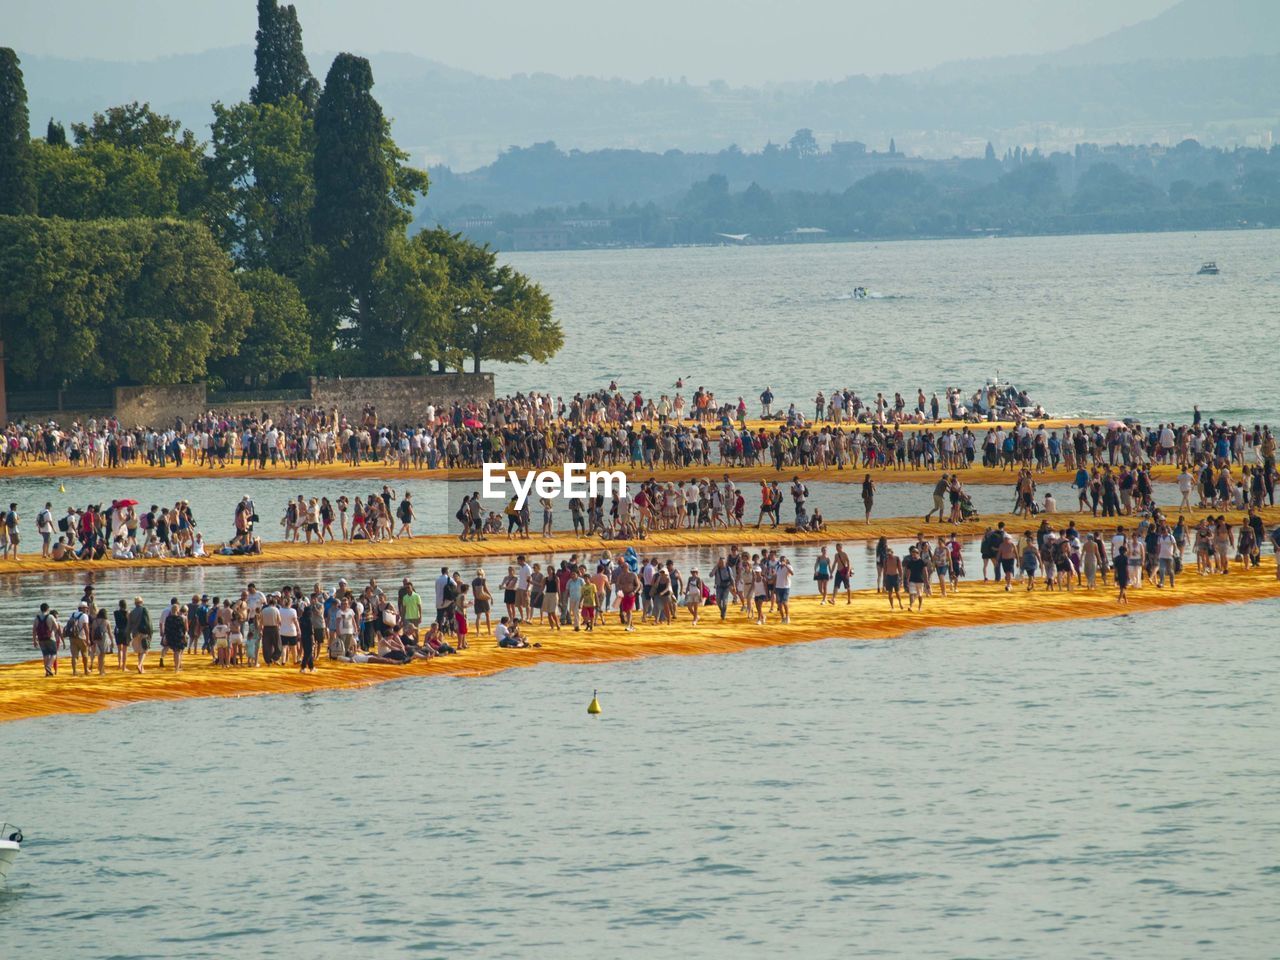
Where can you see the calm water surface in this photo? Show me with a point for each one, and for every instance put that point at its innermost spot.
(1092, 789)
(1093, 325)
(1082, 789)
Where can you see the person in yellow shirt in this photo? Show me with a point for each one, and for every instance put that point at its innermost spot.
(589, 598)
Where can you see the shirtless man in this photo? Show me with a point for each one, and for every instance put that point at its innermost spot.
(893, 577)
(842, 571)
(1006, 558)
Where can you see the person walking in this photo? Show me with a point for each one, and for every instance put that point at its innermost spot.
(140, 631)
(175, 634)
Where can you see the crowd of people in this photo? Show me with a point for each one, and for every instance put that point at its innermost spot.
(118, 531)
(293, 626)
(609, 428)
(373, 518)
(311, 435)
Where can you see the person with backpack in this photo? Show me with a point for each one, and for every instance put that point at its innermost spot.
(406, 515)
(140, 631)
(463, 516)
(722, 582)
(77, 632)
(9, 535)
(46, 635)
(44, 526)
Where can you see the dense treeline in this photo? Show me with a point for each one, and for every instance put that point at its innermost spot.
(627, 197)
(131, 252)
(1089, 190)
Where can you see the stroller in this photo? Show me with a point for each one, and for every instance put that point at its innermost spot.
(967, 510)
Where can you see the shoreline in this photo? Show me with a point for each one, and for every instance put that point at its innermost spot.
(447, 546)
(26, 694)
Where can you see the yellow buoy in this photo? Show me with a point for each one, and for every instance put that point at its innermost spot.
(594, 707)
(62, 488)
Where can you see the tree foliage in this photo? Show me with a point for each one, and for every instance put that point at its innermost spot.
(280, 63)
(278, 251)
(494, 312)
(151, 166)
(115, 301)
(17, 189)
(363, 191)
(261, 187)
(277, 341)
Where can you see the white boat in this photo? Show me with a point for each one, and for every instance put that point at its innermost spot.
(10, 844)
(1208, 269)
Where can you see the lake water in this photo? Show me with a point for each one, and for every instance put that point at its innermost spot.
(1100, 788)
(1090, 325)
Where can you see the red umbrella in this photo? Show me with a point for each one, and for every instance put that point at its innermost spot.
(126, 503)
(473, 423)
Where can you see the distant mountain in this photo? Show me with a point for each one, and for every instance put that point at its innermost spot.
(1204, 68)
(1190, 30)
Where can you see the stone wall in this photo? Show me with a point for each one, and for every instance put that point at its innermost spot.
(397, 399)
(159, 406)
(401, 399)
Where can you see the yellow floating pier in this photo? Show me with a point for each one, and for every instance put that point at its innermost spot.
(447, 546)
(25, 692)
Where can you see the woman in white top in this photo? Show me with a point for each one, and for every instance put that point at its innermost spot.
(693, 595)
(1137, 553)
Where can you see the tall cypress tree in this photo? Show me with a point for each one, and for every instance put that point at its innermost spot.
(279, 61)
(354, 213)
(55, 134)
(17, 185)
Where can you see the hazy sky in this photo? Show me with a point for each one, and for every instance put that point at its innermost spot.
(742, 41)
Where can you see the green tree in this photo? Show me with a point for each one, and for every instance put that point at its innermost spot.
(364, 191)
(115, 301)
(17, 188)
(409, 328)
(277, 343)
(55, 134)
(494, 311)
(803, 144)
(280, 63)
(1035, 184)
(68, 183)
(261, 187)
(1105, 188)
(152, 166)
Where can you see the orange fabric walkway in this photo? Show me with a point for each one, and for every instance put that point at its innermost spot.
(25, 692)
(446, 546)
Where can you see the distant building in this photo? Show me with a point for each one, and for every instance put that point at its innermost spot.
(465, 224)
(540, 238)
(848, 149)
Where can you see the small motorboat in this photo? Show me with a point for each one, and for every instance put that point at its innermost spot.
(10, 844)
(1208, 269)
